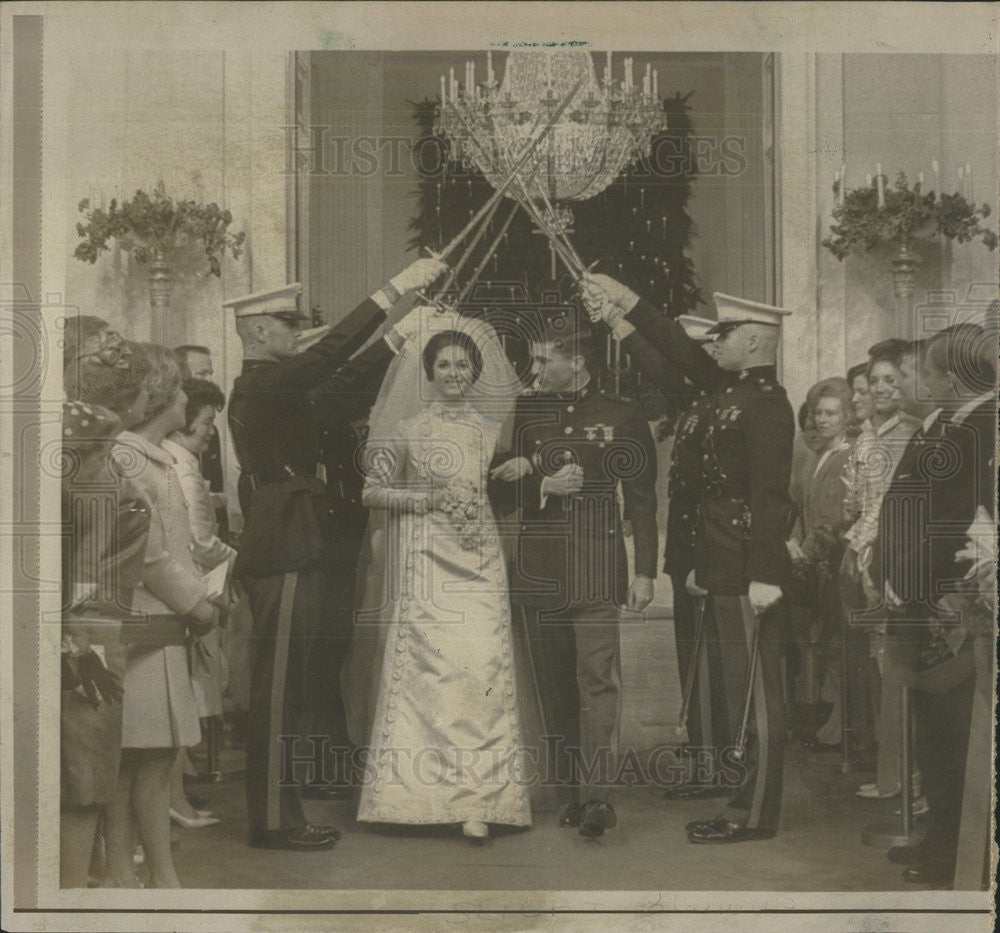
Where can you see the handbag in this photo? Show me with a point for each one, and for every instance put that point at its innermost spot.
(286, 528)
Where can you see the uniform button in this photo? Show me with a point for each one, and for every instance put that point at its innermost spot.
(570, 409)
(735, 521)
(730, 389)
(567, 430)
(537, 442)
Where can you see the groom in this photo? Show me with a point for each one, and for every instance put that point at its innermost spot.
(573, 448)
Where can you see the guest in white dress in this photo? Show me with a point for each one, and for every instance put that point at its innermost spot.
(160, 713)
(445, 742)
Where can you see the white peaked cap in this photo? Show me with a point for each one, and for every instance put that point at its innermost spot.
(282, 301)
(733, 311)
(697, 328)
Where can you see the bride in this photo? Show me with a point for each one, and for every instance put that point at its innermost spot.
(444, 743)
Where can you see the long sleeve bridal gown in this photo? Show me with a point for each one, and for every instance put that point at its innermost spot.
(444, 744)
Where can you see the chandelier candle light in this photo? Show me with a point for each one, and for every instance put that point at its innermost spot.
(606, 126)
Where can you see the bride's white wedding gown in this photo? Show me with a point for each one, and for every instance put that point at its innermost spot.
(444, 745)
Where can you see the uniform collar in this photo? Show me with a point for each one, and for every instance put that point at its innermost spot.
(767, 373)
(257, 363)
(576, 395)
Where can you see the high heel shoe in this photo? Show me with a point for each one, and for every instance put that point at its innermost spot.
(476, 832)
(196, 823)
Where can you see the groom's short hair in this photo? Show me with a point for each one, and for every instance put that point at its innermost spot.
(570, 338)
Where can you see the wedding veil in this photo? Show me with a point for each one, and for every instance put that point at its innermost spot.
(406, 391)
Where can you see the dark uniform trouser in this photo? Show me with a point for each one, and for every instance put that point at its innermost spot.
(577, 664)
(757, 803)
(287, 610)
(942, 744)
(325, 714)
(707, 721)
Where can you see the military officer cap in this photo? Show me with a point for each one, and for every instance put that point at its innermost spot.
(281, 303)
(736, 311)
(697, 328)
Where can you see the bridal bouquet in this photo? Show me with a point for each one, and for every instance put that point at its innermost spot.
(462, 503)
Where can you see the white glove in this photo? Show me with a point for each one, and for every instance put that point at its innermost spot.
(595, 285)
(692, 587)
(794, 549)
(418, 275)
(601, 308)
(763, 595)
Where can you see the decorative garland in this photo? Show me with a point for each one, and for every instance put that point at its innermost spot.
(151, 224)
(876, 215)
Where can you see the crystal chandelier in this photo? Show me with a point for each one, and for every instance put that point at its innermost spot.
(606, 126)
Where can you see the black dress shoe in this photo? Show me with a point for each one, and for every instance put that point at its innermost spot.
(304, 839)
(694, 824)
(904, 855)
(571, 815)
(930, 871)
(697, 791)
(597, 817)
(325, 792)
(722, 831)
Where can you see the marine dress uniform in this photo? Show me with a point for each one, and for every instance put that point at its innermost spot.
(747, 451)
(285, 550)
(743, 514)
(571, 571)
(707, 724)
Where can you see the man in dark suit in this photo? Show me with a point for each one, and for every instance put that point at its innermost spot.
(945, 474)
(574, 448)
(285, 549)
(741, 563)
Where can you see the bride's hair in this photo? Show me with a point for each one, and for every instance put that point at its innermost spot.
(452, 338)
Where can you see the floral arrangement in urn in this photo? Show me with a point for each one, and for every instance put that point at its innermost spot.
(151, 226)
(878, 215)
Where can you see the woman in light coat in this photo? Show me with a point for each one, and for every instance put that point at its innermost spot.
(160, 714)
